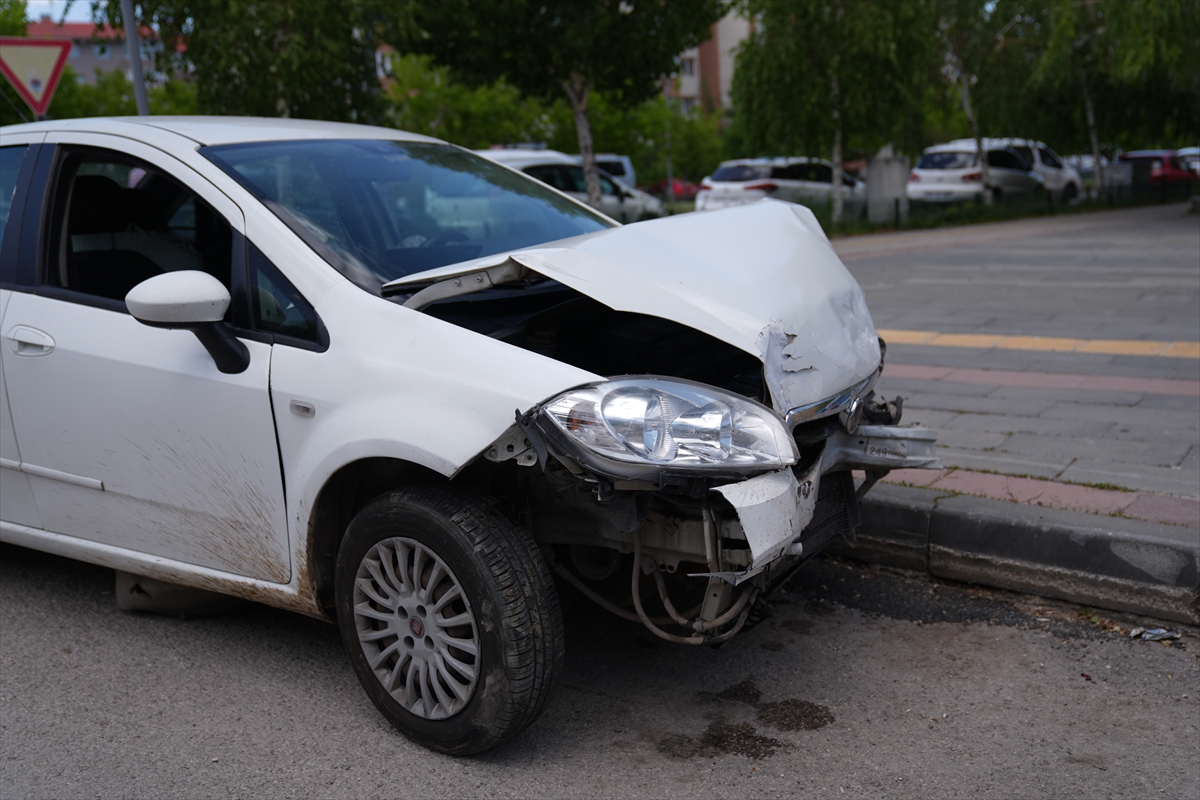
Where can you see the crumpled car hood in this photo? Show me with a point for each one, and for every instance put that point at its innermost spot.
(762, 277)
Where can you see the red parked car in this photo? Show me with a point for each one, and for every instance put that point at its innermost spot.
(1165, 166)
(684, 190)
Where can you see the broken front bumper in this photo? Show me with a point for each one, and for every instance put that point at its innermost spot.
(775, 510)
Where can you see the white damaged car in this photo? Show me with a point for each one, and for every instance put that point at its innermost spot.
(375, 378)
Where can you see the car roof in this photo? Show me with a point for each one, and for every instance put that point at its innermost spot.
(221, 130)
(773, 161)
(1147, 153)
(525, 158)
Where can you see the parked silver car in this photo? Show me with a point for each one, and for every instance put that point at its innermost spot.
(951, 173)
(797, 180)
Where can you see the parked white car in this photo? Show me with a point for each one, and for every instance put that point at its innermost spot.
(805, 181)
(618, 167)
(950, 173)
(1061, 180)
(374, 378)
(564, 173)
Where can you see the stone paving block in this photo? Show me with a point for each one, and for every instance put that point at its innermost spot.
(1126, 415)
(928, 417)
(979, 405)
(1030, 491)
(1133, 476)
(1002, 423)
(1171, 402)
(909, 386)
(967, 439)
(1165, 508)
(1002, 463)
(1078, 395)
(1159, 454)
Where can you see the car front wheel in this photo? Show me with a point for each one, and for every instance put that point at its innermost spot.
(449, 616)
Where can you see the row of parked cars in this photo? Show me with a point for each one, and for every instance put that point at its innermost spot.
(945, 174)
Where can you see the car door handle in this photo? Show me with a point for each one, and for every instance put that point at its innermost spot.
(26, 341)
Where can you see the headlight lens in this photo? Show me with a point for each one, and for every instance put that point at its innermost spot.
(672, 423)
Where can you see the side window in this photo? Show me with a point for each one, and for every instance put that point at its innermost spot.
(1025, 153)
(606, 186)
(821, 173)
(10, 168)
(118, 222)
(278, 308)
(1004, 159)
(1049, 158)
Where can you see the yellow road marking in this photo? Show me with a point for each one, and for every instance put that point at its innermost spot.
(1054, 344)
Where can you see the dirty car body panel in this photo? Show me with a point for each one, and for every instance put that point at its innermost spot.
(413, 357)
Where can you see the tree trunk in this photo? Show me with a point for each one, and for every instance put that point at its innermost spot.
(577, 90)
(1091, 123)
(963, 84)
(839, 204)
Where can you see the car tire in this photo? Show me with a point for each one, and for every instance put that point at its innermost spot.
(1070, 192)
(483, 585)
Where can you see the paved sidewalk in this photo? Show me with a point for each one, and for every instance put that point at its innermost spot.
(1059, 360)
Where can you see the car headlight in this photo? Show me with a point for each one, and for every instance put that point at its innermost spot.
(668, 423)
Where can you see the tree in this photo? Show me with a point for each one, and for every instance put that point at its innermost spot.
(1121, 41)
(967, 39)
(289, 58)
(553, 48)
(423, 98)
(816, 75)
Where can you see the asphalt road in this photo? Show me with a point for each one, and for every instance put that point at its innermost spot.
(864, 683)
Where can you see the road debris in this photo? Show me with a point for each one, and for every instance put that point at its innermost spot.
(1159, 634)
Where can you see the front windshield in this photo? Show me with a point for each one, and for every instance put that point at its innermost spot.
(380, 210)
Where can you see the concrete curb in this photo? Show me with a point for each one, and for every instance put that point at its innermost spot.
(1106, 562)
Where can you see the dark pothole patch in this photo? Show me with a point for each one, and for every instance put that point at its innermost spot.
(721, 738)
(793, 715)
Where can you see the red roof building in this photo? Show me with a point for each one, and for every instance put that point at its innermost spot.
(98, 48)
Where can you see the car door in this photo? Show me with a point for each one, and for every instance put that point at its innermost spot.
(128, 434)
(17, 156)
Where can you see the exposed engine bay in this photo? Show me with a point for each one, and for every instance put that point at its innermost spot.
(686, 552)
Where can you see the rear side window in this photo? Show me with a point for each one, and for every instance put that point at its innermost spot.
(1049, 158)
(738, 173)
(10, 167)
(615, 168)
(947, 161)
(1006, 159)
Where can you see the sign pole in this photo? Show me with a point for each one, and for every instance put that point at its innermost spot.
(134, 47)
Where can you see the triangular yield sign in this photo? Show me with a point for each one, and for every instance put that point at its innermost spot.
(33, 67)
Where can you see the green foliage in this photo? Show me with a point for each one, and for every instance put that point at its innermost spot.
(424, 99)
(12, 17)
(112, 95)
(867, 62)
(621, 47)
(640, 132)
(300, 58)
